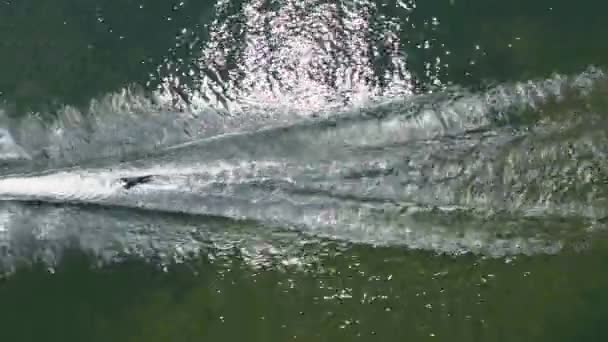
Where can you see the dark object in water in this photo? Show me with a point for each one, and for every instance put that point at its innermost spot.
(130, 182)
(182, 94)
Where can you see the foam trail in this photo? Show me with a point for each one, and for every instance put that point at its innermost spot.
(450, 174)
(9, 149)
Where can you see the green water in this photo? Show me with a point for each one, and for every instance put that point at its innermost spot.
(366, 294)
(61, 52)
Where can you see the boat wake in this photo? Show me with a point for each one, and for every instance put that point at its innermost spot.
(519, 169)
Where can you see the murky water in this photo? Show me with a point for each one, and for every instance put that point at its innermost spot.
(314, 170)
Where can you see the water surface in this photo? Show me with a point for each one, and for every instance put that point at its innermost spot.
(316, 170)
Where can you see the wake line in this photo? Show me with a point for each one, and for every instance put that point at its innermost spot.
(450, 174)
(105, 208)
(107, 131)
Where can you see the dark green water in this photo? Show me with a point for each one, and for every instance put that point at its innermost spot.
(114, 286)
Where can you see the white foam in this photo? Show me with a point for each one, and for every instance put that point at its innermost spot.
(326, 180)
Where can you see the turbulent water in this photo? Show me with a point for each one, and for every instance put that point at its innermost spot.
(289, 125)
